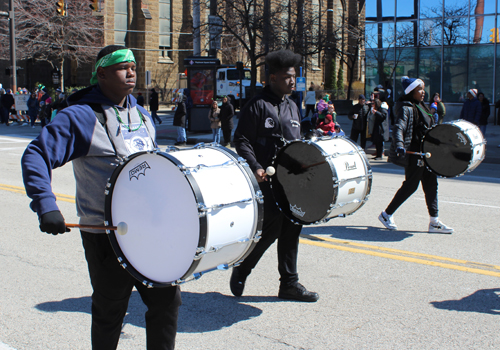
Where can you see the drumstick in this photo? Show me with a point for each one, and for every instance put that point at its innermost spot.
(121, 228)
(426, 155)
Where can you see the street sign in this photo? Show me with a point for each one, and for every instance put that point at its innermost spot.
(301, 84)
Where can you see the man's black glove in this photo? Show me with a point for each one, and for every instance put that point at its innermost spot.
(53, 222)
(400, 152)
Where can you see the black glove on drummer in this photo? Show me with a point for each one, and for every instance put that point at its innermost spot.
(53, 222)
(400, 152)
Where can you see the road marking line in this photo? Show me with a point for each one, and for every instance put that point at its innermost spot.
(378, 252)
(18, 189)
(462, 203)
(348, 246)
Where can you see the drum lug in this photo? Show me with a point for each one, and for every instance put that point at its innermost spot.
(200, 145)
(242, 161)
(257, 236)
(259, 197)
(200, 251)
(202, 210)
(122, 263)
(147, 284)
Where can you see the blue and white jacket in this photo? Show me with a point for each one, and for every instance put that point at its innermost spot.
(75, 134)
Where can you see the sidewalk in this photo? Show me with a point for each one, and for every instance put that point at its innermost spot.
(167, 134)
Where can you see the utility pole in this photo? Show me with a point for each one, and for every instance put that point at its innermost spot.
(196, 27)
(12, 46)
(213, 12)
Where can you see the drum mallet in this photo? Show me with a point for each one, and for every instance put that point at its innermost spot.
(121, 228)
(270, 170)
(426, 155)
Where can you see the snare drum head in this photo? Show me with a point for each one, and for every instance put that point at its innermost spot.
(152, 196)
(450, 149)
(302, 184)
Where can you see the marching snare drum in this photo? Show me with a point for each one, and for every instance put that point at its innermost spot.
(317, 180)
(456, 147)
(188, 212)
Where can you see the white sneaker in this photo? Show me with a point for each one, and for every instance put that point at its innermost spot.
(439, 227)
(388, 221)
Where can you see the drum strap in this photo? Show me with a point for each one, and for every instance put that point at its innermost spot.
(101, 117)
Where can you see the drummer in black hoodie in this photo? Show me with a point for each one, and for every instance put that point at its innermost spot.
(265, 123)
(412, 121)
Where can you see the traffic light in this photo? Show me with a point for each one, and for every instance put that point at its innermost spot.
(61, 8)
(94, 5)
(494, 38)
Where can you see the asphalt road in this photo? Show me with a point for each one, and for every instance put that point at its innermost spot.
(378, 289)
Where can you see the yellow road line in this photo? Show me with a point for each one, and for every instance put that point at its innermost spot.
(354, 247)
(374, 251)
(17, 189)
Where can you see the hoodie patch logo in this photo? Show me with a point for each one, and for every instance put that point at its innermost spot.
(295, 124)
(269, 123)
(138, 170)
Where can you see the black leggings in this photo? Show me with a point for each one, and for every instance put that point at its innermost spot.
(413, 176)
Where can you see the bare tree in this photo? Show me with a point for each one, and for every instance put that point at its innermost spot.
(42, 34)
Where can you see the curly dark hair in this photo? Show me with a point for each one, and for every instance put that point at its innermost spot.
(278, 60)
(109, 49)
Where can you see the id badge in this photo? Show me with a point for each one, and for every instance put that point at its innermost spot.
(137, 140)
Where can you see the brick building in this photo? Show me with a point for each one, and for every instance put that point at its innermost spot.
(161, 34)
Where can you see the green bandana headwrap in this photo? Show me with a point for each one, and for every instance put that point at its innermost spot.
(119, 56)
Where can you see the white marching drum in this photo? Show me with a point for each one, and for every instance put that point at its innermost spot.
(320, 179)
(188, 212)
(456, 147)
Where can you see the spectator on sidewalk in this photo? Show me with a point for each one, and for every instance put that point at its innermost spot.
(472, 109)
(153, 105)
(180, 121)
(226, 119)
(310, 102)
(358, 115)
(485, 112)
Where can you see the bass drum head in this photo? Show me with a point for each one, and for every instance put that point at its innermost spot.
(450, 149)
(304, 193)
(153, 197)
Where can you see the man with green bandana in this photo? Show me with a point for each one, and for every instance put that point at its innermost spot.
(102, 123)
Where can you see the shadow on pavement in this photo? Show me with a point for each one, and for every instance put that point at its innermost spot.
(199, 312)
(358, 233)
(486, 301)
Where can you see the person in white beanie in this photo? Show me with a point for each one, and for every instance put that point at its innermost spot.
(472, 108)
(412, 121)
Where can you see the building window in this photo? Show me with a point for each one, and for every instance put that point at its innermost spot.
(121, 22)
(165, 22)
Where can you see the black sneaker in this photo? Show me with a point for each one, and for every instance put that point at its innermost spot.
(297, 292)
(180, 144)
(237, 282)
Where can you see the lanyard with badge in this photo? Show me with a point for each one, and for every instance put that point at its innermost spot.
(135, 135)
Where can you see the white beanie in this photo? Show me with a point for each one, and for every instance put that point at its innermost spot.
(410, 83)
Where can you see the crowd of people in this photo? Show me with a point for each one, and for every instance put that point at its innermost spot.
(39, 106)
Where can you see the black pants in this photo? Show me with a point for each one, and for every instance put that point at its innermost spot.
(413, 176)
(379, 149)
(355, 133)
(309, 108)
(226, 133)
(112, 289)
(276, 226)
